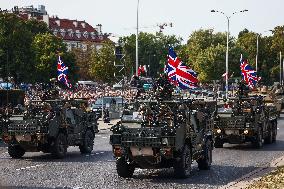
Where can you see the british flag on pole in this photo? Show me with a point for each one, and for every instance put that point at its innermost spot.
(178, 73)
(62, 72)
(249, 75)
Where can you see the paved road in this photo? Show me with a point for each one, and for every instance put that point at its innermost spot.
(38, 170)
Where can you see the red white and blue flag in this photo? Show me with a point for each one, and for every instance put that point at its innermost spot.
(62, 72)
(178, 73)
(249, 75)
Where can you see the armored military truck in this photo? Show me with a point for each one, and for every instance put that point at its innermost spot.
(164, 133)
(50, 126)
(245, 119)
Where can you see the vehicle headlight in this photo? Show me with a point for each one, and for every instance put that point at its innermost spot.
(247, 124)
(246, 131)
(165, 141)
(218, 131)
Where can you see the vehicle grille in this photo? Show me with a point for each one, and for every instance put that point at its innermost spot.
(22, 129)
(232, 122)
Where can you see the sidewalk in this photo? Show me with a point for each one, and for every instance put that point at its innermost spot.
(107, 126)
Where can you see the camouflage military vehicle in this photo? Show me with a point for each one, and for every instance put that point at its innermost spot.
(8, 100)
(164, 133)
(50, 126)
(247, 119)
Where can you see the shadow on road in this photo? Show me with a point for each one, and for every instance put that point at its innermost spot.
(206, 177)
(72, 157)
(31, 187)
(278, 146)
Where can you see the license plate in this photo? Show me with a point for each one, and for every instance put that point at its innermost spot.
(231, 132)
(145, 151)
(25, 138)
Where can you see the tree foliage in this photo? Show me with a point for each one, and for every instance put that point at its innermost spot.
(102, 68)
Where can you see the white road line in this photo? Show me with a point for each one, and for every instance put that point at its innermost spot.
(102, 152)
(97, 153)
(104, 137)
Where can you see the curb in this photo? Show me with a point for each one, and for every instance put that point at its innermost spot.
(255, 175)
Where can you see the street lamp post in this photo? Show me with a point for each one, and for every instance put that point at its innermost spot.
(137, 32)
(256, 56)
(227, 51)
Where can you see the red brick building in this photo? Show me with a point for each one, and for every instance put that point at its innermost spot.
(76, 34)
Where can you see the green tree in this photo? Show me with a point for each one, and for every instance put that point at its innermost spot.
(47, 47)
(153, 50)
(102, 68)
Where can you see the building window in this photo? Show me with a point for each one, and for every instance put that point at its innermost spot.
(70, 32)
(86, 34)
(62, 32)
(78, 33)
(55, 31)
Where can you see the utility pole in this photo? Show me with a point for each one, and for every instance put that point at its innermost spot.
(137, 33)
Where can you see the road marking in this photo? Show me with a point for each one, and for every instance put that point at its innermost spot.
(104, 137)
(97, 153)
(29, 167)
(102, 152)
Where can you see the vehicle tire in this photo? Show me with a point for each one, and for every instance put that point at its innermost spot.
(59, 148)
(205, 162)
(218, 143)
(269, 138)
(15, 151)
(274, 132)
(258, 140)
(88, 142)
(182, 166)
(124, 169)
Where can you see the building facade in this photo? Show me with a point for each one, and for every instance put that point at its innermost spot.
(76, 34)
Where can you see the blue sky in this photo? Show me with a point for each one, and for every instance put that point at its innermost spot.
(119, 16)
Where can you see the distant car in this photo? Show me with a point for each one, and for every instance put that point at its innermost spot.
(105, 102)
(6, 86)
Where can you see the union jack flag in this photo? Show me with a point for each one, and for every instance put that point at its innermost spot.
(180, 74)
(62, 72)
(248, 74)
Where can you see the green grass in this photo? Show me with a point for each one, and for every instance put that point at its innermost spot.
(274, 180)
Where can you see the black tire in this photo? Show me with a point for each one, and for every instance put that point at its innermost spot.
(218, 143)
(269, 138)
(88, 142)
(15, 151)
(258, 139)
(59, 148)
(204, 163)
(274, 132)
(182, 166)
(124, 169)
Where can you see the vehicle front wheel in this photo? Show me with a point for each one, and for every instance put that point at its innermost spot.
(204, 163)
(218, 143)
(88, 142)
(124, 168)
(182, 166)
(274, 132)
(269, 138)
(60, 146)
(258, 139)
(15, 151)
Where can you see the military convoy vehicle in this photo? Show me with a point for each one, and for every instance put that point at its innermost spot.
(164, 132)
(246, 119)
(50, 126)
